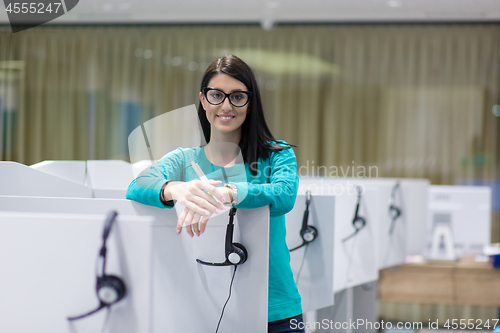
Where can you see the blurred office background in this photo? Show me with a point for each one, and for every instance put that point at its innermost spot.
(415, 100)
(411, 99)
(408, 87)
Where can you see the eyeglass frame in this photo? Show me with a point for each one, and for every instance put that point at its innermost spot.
(207, 89)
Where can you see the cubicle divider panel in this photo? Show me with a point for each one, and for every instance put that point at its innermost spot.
(410, 198)
(414, 195)
(354, 311)
(109, 178)
(391, 230)
(390, 245)
(356, 257)
(365, 307)
(75, 171)
(334, 318)
(180, 286)
(189, 297)
(48, 272)
(312, 264)
(21, 180)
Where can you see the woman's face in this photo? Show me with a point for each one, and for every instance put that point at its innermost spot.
(225, 118)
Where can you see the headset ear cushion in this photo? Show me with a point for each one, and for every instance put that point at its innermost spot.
(242, 252)
(311, 231)
(359, 223)
(394, 211)
(110, 289)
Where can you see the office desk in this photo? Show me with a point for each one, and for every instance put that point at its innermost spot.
(466, 289)
(466, 282)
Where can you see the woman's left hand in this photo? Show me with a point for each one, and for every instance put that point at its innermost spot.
(196, 223)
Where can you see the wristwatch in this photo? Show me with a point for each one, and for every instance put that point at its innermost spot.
(162, 198)
(235, 193)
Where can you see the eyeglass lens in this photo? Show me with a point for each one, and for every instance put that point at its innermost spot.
(237, 98)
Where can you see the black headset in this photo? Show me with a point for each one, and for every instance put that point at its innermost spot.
(110, 289)
(358, 222)
(236, 253)
(308, 233)
(394, 211)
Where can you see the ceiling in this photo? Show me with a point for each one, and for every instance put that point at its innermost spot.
(270, 12)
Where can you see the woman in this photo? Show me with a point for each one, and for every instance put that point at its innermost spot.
(232, 119)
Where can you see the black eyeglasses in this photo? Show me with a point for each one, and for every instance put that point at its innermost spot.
(236, 98)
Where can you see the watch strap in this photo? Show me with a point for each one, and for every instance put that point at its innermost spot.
(235, 193)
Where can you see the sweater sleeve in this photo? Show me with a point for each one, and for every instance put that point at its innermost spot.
(147, 186)
(280, 193)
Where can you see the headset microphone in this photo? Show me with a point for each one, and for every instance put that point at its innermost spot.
(308, 233)
(358, 222)
(394, 211)
(236, 253)
(110, 289)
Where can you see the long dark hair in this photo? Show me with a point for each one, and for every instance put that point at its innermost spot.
(256, 138)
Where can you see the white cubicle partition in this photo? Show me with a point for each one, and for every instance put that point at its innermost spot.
(355, 259)
(179, 282)
(359, 301)
(357, 304)
(339, 313)
(313, 267)
(47, 272)
(390, 246)
(365, 306)
(20, 180)
(74, 171)
(109, 178)
(189, 297)
(411, 198)
(467, 211)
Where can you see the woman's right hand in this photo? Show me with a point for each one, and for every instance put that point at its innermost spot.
(199, 205)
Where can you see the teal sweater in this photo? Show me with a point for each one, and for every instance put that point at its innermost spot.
(275, 184)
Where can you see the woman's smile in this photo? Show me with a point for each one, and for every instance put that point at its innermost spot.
(225, 118)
